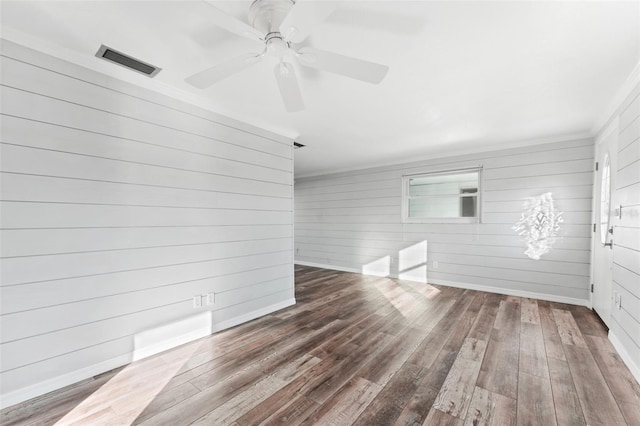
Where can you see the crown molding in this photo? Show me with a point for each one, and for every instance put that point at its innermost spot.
(625, 89)
(452, 151)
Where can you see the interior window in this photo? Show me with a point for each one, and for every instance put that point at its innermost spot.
(450, 196)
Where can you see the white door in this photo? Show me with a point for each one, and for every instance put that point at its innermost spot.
(606, 150)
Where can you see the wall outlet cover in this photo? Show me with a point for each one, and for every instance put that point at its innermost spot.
(197, 301)
(210, 298)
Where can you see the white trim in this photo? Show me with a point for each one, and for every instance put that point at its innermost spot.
(253, 315)
(23, 394)
(626, 357)
(406, 178)
(445, 172)
(325, 266)
(519, 293)
(627, 87)
(598, 146)
(172, 342)
(608, 130)
(294, 249)
(488, 289)
(452, 152)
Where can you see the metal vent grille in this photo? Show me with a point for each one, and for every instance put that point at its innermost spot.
(127, 61)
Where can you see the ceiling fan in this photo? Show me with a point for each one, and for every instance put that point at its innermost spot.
(280, 24)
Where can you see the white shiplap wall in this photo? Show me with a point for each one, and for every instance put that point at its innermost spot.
(350, 219)
(625, 324)
(118, 206)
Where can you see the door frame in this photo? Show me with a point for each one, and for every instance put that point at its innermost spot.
(600, 139)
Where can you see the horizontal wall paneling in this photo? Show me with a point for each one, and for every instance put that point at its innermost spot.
(334, 229)
(119, 205)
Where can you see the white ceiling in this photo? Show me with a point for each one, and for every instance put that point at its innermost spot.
(463, 75)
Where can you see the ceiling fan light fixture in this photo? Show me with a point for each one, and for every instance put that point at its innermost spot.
(279, 24)
(289, 89)
(277, 46)
(284, 70)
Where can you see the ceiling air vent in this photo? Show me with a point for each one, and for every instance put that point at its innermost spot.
(127, 61)
(297, 145)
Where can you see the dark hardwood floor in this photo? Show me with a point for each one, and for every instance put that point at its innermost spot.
(370, 351)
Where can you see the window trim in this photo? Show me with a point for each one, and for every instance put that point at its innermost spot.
(405, 196)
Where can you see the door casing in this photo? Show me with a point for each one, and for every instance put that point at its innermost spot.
(602, 255)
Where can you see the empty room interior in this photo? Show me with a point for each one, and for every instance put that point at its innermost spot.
(307, 212)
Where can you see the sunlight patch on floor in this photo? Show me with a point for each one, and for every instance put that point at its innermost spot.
(412, 266)
(123, 398)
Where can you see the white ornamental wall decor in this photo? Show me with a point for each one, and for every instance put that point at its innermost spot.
(539, 225)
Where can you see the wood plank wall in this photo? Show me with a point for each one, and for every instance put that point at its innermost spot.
(626, 235)
(118, 206)
(349, 219)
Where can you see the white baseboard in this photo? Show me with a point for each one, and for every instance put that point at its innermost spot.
(323, 266)
(519, 293)
(626, 357)
(253, 315)
(167, 344)
(488, 289)
(23, 394)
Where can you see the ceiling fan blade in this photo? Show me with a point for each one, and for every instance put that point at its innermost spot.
(229, 23)
(303, 17)
(289, 89)
(343, 65)
(212, 75)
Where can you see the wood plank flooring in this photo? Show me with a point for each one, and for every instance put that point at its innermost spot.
(369, 351)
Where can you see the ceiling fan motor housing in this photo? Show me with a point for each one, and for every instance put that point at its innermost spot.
(267, 15)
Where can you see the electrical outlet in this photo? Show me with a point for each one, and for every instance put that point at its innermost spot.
(197, 301)
(435, 264)
(210, 298)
